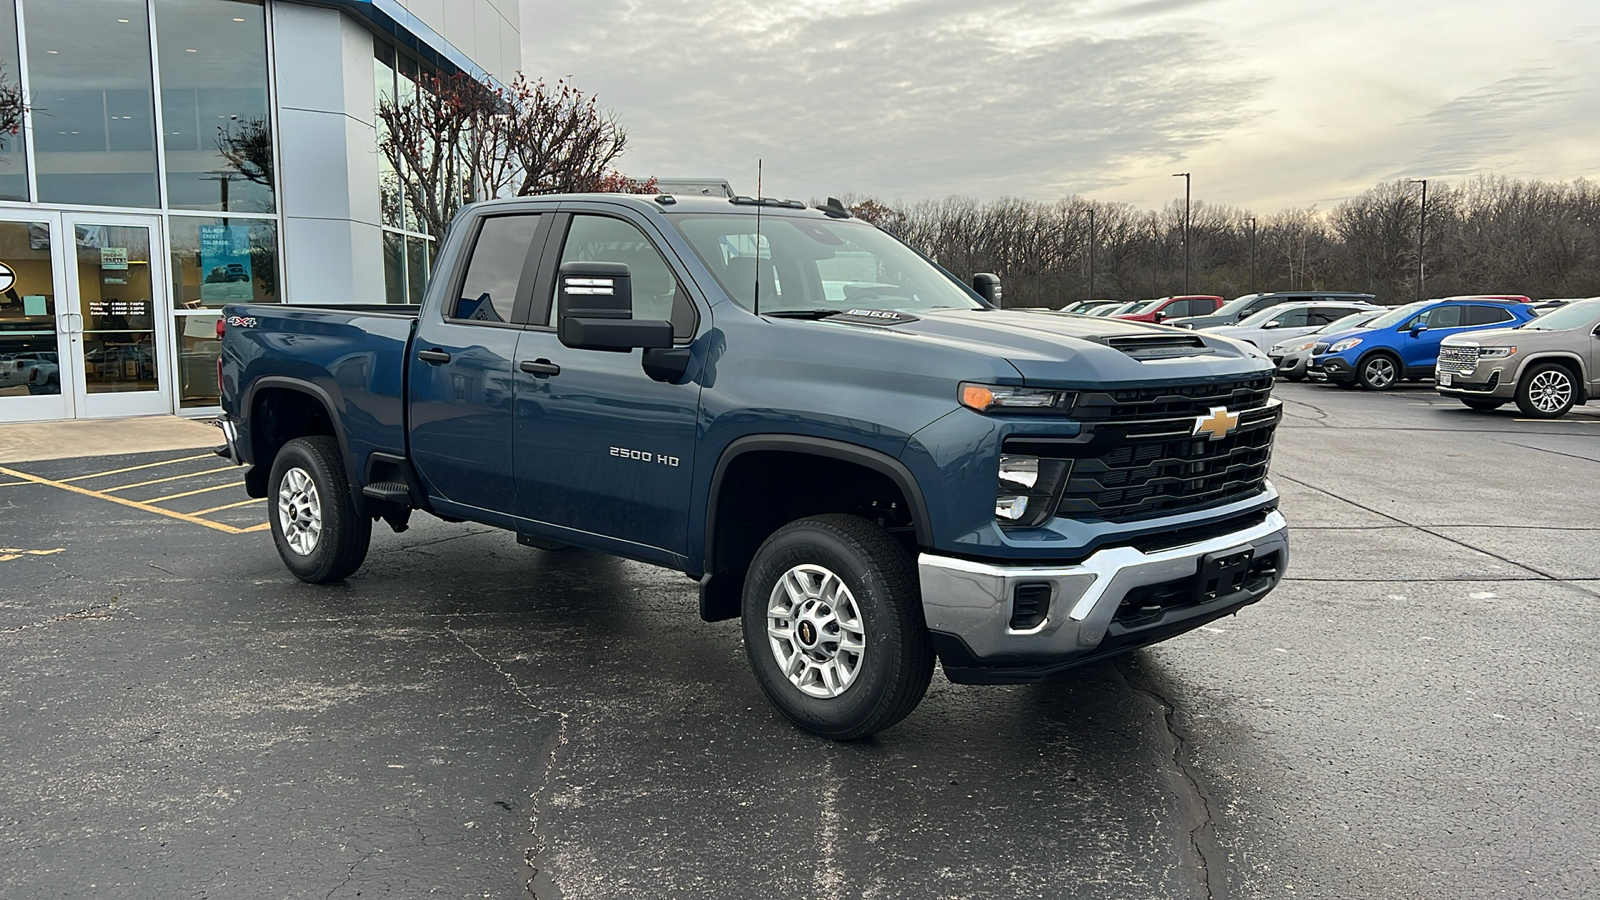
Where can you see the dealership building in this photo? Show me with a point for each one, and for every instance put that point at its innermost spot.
(173, 156)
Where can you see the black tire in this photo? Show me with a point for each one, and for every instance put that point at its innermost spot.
(1483, 405)
(1379, 372)
(1546, 391)
(339, 545)
(896, 662)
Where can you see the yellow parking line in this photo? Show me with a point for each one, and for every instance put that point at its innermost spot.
(229, 506)
(123, 487)
(215, 487)
(262, 527)
(165, 462)
(123, 501)
(10, 483)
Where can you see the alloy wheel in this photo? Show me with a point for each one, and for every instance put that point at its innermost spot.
(1550, 391)
(299, 511)
(816, 631)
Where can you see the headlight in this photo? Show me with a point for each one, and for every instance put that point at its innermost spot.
(1344, 345)
(986, 397)
(1028, 489)
(1495, 352)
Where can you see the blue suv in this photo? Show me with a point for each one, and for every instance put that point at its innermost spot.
(1404, 342)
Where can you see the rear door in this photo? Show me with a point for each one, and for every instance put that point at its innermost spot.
(601, 447)
(460, 385)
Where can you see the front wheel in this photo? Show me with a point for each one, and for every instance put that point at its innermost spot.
(319, 533)
(1378, 372)
(1547, 391)
(833, 626)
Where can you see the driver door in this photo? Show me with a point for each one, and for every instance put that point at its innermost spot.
(1420, 350)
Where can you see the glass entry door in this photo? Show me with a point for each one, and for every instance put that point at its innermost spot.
(36, 322)
(117, 276)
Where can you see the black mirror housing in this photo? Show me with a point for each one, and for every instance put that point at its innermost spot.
(987, 285)
(594, 310)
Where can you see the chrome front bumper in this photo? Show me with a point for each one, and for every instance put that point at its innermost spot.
(969, 605)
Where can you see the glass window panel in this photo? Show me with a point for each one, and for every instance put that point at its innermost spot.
(29, 357)
(383, 79)
(117, 300)
(394, 267)
(498, 259)
(417, 265)
(93, 120)
(197, 352)
(213, 56)
(223, 260)
(13, 157)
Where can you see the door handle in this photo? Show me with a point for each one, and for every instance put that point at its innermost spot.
(539, 368)
(433, 356)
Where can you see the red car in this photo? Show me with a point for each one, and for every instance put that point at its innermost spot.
(1163, 308)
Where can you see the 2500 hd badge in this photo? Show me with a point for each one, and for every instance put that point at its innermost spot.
(644, 456)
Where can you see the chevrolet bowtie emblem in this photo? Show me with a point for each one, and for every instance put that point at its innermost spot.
(1219, 423)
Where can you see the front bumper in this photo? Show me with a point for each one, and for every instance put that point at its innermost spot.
(1333, 368)
(1484, 382)
(1117, 599)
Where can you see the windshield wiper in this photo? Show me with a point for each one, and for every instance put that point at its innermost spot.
(801, 313)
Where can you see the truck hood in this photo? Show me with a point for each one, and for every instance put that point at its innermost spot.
(1052, 349)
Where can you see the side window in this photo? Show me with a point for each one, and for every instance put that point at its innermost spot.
(1488, 315)
(1292, 318)
(495, 269)
(656, 292)
(1176, 308)
(1442, 317)
(1323, 315)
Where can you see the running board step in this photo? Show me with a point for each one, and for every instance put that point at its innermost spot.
(388, 491)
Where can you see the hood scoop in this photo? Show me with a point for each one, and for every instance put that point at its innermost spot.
(1157, 346)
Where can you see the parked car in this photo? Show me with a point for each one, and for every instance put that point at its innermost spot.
(1404, 342)
(1083, 306)
(1241, 308)
(1164, 308)
(1109, 311)
(1291, 320)
(871, 484)
(1292, 356)
(16, 368)
(1547, 366)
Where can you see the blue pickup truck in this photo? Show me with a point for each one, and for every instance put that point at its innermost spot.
(849, 447)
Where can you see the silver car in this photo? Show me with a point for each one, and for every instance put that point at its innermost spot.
(1547, 365)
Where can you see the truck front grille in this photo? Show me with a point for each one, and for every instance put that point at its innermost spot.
(1458, 360)
(1140, 456)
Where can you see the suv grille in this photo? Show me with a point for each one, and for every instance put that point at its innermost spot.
(1459, 360)
(1142, 458)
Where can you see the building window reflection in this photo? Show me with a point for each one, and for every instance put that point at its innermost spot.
(13, 155)
(215, 262)
(93, 102)
(214, 106)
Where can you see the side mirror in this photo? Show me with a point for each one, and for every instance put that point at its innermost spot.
(594, 310)
(1272, 324)
(1159, 316)
(1418, 329)
(988, 286)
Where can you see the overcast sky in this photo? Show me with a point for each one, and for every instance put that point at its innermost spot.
(1269, 103)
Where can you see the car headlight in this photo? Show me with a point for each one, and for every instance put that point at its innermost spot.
(1344, 345)
(987, 397)
(1028, 489)
(1495, 352)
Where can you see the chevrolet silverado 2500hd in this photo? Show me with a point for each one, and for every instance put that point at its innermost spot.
(846, 445)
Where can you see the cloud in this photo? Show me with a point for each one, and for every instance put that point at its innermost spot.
(917, 99)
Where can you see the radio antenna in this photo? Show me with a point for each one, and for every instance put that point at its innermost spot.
(758, 238)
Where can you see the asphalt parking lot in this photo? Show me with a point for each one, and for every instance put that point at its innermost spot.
(1412, 714)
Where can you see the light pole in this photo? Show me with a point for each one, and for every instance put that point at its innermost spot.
(1185, 177)
(1422, 230)
(1252, 221)
(1091, 253)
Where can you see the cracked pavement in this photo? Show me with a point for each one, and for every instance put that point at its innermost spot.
(1411, 714)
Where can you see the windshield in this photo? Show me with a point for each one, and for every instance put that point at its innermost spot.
(817, 265)
(1573, 315)
(1108, 311)
(1348, 323)
(1147, 305)
(1234, 305)
(1399, 314)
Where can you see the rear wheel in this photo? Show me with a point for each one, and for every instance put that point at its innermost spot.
(318, 531)
(1483, 405)
(1547, 391)
(833, 626)
(1378, 372)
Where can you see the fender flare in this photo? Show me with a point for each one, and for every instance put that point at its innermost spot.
(321, 395)
(877, 461)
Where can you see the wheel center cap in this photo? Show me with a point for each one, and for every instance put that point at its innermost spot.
(806, 631)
